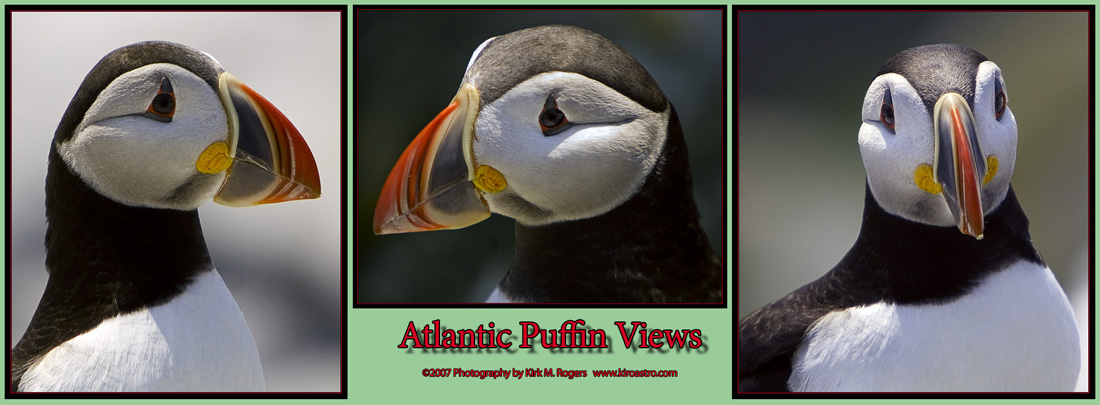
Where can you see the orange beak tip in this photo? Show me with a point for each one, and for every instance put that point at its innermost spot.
(272, 161)
(429, 188)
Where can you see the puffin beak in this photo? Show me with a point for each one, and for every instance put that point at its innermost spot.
(959, 163)
(431, 187)
(269, 162)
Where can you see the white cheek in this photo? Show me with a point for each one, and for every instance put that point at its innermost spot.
(582, 172)
(998, 137)
(890, 158)
(140, 161)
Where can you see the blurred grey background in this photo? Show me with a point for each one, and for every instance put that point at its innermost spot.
(282, 261)
(409, 65)
(802, 78)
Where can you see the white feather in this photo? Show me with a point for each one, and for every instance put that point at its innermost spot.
(196, 342)
(1013, 332)
(498, 297)
(477, 52)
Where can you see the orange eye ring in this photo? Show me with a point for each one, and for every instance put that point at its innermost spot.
(552, 121)
(163, 106)
(886, 112)
(1000, 101)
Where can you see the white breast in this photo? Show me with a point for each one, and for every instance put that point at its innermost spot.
(1014, 332)
(498, 297)
(196, 342)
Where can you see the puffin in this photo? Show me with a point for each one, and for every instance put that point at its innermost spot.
(943, 290)
(558, 128)
(133, 301)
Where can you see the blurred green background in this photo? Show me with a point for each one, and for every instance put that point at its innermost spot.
(802, 78)
(410, 63)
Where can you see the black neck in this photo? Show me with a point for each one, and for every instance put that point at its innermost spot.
(106, 259)
(650, 249)
(140, 256)
(912, 262)
(893, 260)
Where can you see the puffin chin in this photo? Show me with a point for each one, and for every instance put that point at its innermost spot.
(933, 210)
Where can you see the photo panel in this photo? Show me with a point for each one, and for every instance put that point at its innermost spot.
(803, 76)
(281, 264)
(410, 64)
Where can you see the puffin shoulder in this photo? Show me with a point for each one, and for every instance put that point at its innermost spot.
(769, 336)
(197, 341)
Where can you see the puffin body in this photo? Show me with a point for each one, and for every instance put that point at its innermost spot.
(133, 301)
(165, 348)
(943, 289)
(560, 129)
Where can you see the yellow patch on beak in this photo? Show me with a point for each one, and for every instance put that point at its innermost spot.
(214, 159)
(990, 169)
(922, 177)
(489, 179)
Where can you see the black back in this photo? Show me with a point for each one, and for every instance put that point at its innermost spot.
(927, 265)
(105, 258)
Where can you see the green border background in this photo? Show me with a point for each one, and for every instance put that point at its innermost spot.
(379, 372)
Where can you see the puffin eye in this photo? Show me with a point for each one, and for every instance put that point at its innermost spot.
(1000, 100)
(163, 105)
(886, 112)
(552, 121)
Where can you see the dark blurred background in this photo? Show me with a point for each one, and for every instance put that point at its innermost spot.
(802, 78)
(409, 65)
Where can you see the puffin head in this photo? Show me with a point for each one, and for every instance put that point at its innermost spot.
(550, 124)
(938, 139)
(162, 125)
